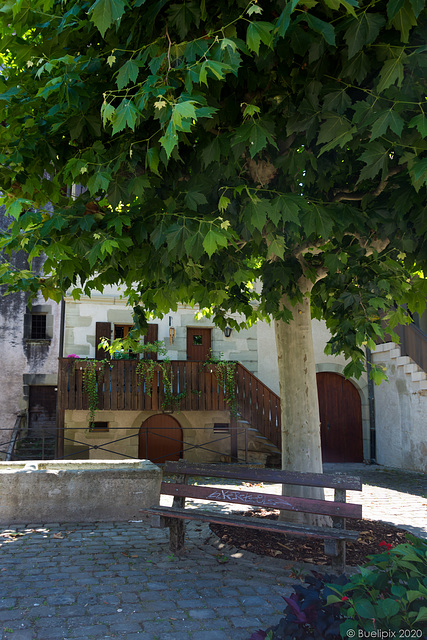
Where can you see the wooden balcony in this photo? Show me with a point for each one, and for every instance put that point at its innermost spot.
(121, 388)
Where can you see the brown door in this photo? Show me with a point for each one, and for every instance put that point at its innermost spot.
(42, 410)
(198, 343)
(160, 439)
(341, 419)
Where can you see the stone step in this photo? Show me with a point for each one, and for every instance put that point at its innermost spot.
(411, 368)
(418, 376)
(402, 360)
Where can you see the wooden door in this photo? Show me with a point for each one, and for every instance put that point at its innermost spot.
(198, 343)
(341, 419)
(42, 410)
(160, 439)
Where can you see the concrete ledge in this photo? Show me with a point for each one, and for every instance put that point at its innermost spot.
(77, 490)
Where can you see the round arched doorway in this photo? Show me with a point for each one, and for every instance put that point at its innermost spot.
(340, 410)
(160, 439)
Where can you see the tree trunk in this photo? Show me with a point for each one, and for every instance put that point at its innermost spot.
(301, 449)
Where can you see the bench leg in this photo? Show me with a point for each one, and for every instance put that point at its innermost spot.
(176, 535)
(336, 549)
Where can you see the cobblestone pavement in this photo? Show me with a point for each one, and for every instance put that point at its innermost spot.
(119, 581)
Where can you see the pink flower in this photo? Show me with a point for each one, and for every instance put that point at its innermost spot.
(73, 355)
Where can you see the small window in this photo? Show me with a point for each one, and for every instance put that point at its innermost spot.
(221, 427)
(197, 340)
(38, 326)
(100, 426)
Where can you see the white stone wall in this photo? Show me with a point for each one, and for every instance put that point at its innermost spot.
(400, 412)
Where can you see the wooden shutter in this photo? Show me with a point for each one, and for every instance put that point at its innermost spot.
(151, 336)
(103, 330)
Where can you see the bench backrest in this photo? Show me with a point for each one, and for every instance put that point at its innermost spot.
(244, 473)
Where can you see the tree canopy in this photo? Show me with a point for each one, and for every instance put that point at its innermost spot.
(220, 144)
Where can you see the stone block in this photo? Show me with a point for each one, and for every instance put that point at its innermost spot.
(77, 490)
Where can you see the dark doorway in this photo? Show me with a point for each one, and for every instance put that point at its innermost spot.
(160, 439)
(198, 343)
(340, 417)
(42, 410)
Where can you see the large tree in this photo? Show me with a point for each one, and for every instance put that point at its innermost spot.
(222, 144)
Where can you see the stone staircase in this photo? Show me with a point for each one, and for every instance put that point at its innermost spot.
(34, 447)
(259, 448)
(390, 355)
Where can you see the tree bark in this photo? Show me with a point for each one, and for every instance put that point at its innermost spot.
(301, 447)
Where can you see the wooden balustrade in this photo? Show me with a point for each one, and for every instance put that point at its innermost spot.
(121, 388)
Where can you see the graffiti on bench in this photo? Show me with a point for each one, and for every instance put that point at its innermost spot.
(260, 499)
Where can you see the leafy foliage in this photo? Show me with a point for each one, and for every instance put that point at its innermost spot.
(388, 594)
(308, 614)
(221, 144)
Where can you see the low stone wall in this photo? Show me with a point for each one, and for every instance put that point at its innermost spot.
(77, 491)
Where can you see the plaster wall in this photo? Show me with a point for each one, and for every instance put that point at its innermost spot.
(400, 417)
(24, 361)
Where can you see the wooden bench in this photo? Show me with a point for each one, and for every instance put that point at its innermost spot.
(334, 537)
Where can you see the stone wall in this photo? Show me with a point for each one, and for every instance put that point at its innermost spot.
(76, 491)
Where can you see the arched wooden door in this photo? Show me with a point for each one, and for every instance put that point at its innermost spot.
(340, 417)
(160, 439)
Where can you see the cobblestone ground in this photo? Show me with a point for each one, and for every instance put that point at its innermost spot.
(119, 581)
(80, 582)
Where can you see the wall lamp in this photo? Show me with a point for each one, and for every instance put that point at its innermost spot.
(227, 332)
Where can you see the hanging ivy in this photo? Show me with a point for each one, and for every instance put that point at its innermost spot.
(92, 373)
(225, 372)
(147, 368)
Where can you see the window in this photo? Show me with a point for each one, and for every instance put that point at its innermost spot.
(100, 426)
(38, 322)
(197, 340)
(221, 427)
(38, 326)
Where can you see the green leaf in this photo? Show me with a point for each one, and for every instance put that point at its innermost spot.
(418, 173)
(125, 116)
(284, 19)
(363, 30)
(387, 608)
(422, 615)
(387, 119)
(420, 122)
(256, 212)
(127, 73)
(376, 159)
(393, 6)
(170, 140)
(107, 112)
(391, 72)
(152, 160)
(213, 240)
(364, 609)
(211, 153)
(193, 199)
(336, 131)
(99, 181)
(276, 248)
(223, 203)
(184, 16)
(324, 28)
(404, 20)
(183, 110)
(105, 13)
(259, 32)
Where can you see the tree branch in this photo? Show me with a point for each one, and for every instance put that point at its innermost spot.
(348, 194)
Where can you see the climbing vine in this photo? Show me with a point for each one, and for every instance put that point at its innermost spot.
(225, 372)
(91, 380)
(146, 368)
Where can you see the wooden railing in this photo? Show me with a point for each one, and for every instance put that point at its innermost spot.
(413, 343)
(258, 404)
(121, 388)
